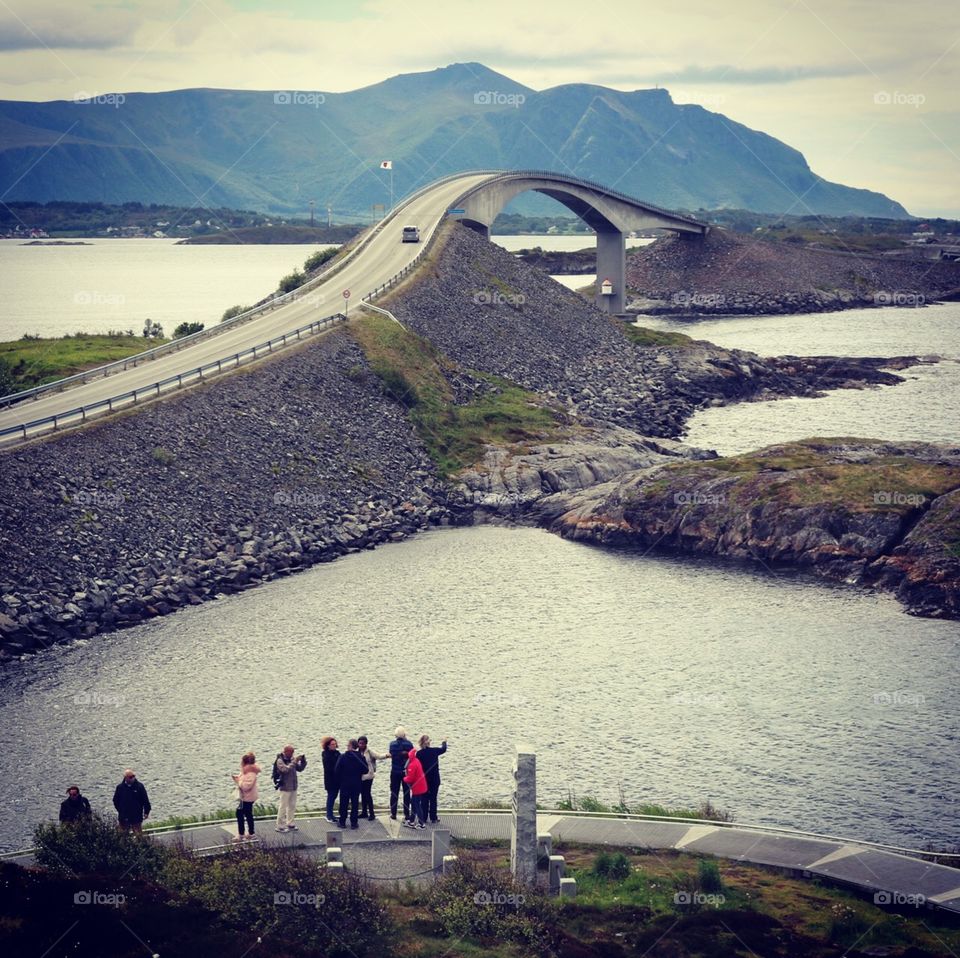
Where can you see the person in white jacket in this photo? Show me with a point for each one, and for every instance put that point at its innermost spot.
(366, 783)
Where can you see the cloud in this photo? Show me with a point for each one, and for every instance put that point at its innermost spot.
(60, 28)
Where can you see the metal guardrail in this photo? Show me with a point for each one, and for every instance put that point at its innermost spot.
(177, 381)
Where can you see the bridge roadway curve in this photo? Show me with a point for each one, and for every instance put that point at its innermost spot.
(382, 258)
(475, 198)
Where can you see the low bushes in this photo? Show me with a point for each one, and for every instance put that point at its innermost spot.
(267, 892)
(484, 903)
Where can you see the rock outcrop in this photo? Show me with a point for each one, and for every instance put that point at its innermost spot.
(730, 273)
(860, 511)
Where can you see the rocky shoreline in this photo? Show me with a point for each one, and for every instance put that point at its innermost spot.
(306, 457)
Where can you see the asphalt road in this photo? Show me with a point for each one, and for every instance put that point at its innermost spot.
(383, 257)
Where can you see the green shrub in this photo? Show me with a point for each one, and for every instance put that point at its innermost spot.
(292, 281)
(319, 258)
(484, 903)
(7, 382)
(232, 311)
(187, 329)
(98, 847)
(708, 875)
(285, 895)
(616, 866)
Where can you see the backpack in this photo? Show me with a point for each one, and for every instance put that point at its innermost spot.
(277, 777)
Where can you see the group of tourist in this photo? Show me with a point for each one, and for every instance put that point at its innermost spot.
(414, 770)
(348, 775)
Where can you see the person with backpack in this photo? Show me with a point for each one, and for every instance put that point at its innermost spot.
(430, 760)
(400, 747)
(330, 755)
(246, 783)
(285, 769)
(418, 791)
(350, 769)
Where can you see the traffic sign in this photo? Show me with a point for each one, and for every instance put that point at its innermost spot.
(455, 212)
(346, 294)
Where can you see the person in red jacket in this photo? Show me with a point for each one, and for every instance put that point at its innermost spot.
(418, 790)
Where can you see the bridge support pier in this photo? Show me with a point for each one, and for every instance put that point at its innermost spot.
(612, 265)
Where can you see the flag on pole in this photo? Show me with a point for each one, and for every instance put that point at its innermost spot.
(386, 165)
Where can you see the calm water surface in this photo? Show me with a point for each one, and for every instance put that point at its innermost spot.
(786, 700)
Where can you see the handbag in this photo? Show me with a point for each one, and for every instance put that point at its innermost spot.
(235, 794)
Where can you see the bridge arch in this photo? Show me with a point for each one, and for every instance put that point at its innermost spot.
(609, 213)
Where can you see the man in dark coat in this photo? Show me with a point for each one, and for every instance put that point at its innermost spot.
(430, 760)
(131, 802)
(74, 808)
(400, 748)
(351, 767)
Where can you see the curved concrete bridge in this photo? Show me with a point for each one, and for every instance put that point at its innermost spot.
(377, 261)
(612, 215)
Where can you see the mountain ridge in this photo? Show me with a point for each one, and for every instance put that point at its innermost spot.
(275, 150)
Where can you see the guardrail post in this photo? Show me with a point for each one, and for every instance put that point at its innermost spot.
(110, 404)
(158, 389)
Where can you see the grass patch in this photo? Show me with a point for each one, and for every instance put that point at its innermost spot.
(34, 362)
(411, 371)
(642, 336)
(585, 803)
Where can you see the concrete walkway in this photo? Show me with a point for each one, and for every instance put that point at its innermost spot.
(890, 877)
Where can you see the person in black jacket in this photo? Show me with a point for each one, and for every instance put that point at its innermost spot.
(430, 760)
(330, 755)
(131, 802)
(351, 768)
(400, 748)
(74, 807)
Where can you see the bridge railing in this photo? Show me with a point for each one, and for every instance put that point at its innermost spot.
(270, 304)
(81, 414)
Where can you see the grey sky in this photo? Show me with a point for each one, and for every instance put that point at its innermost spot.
(866, 90)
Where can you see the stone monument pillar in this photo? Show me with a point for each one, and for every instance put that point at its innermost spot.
(523, 834)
